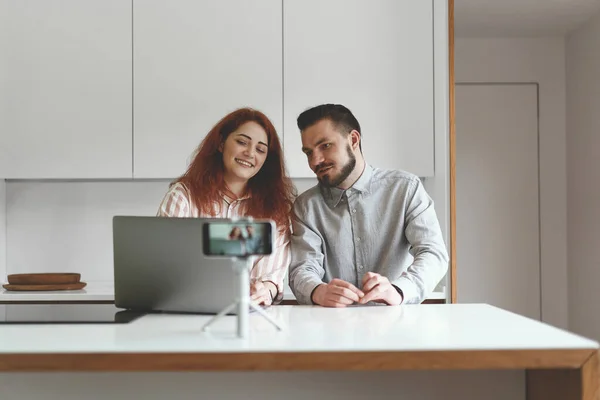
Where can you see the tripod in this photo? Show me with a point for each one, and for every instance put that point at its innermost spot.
(242, 267)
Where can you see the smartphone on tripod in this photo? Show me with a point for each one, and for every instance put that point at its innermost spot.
(238, 237)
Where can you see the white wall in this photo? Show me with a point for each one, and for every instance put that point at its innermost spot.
(60, 226)
(497, 203)
(583, 177)
(538, 60)
(2, 229)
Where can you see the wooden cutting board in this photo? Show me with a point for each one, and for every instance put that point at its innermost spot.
(52, 278)
(38, 288)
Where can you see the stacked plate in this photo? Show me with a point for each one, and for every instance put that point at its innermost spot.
(45, 281)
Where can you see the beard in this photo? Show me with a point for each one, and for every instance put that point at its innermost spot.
(336, 180)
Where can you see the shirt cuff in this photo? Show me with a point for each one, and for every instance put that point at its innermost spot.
(305, 289)
(410, 293)
(400, 292)
(279, 295)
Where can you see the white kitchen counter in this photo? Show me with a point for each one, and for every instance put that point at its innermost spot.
(100, 291)
(445, 327)
(438, 337)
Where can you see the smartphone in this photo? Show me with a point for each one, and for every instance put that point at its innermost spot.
(237, 238)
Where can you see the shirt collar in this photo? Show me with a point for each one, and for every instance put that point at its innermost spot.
(363, 184)
(230, 200)
(333, 196)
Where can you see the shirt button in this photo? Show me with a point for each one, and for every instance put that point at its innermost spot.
(354, 211)
(360, 267)
(358, 239)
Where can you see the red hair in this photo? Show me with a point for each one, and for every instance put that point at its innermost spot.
(271, 190)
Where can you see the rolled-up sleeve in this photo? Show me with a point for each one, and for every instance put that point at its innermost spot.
(424, 234)
(306, 267)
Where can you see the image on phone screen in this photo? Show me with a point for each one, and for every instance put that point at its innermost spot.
(240, 238)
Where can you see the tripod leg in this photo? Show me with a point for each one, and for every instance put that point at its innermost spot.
(219, 315)
(266, 316)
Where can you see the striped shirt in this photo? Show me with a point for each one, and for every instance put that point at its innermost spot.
(177, 203)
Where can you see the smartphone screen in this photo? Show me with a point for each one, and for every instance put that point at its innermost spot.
(239, 238)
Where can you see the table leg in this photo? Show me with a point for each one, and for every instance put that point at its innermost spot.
(565, 384)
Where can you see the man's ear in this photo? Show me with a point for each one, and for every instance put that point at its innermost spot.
(355, 139)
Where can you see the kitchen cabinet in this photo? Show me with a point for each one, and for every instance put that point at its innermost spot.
(194, 62)
(376, 58)
(65, 89)
(117, 89)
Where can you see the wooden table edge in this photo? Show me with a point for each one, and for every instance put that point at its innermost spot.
(582, 383)
(299, 361)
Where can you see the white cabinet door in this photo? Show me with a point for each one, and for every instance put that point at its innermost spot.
(376, 58)
(65, 89)
(497, 197)
(194, 62)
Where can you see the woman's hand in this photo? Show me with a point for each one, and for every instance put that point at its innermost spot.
(263, 293)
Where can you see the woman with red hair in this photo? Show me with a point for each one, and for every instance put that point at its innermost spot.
(239, 171)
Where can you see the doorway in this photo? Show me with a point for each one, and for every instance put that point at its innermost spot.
(497, 196)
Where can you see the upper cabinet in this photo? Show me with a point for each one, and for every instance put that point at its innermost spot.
(194, 62)
(376, 58)
(121, 89)
(65, 89)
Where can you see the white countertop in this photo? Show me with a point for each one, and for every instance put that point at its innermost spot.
(305, 329)
(101, 291)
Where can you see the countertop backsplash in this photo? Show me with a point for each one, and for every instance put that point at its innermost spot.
(66, 226)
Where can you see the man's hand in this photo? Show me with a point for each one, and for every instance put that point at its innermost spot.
(262, 292)
(337, 293)
(379, 289)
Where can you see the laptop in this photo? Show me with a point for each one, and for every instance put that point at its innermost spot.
(159, 265)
